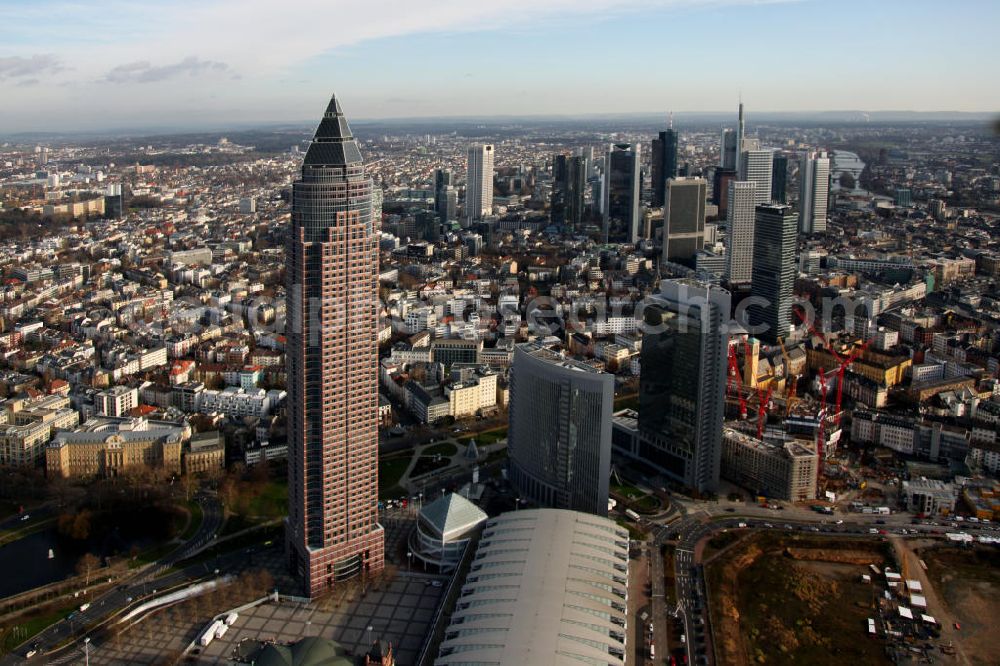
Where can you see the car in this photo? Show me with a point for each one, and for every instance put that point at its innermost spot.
(958, 627)
(730, 509)
(30, 653)
(436, 583)
(128, 600)
(26, 516)
(840, 522)
(84, 607)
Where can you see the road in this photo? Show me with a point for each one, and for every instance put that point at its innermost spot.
(116, 599)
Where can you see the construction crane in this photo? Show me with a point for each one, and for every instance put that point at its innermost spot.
(765, 399)
(843, 362)
(790, 380)
(734, 386)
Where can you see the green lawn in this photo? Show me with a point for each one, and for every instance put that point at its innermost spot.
(197, 515)
(390, 471)
(151, 555)
(485, 437)
(646, 504)
(272, 501)
(33, 624)
(442, 449)
(426, 464)
(627, 490)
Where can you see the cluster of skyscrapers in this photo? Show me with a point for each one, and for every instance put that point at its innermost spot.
(560, 436)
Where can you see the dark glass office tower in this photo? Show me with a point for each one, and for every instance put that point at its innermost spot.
(773, 270)
(331, 262)
(560, 430)
(683, 381)
(569, 182)
(779, 179)
(445, 196)
(622, 193)
(664, 163)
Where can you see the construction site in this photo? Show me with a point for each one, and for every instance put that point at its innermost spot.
(788, 403)
(794, 599)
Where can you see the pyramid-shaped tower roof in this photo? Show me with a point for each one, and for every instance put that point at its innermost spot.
(333, 144)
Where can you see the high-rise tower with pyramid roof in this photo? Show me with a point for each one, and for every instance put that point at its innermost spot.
(332, 529)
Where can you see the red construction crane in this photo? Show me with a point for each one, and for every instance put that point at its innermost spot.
(843, 362)
(765, 399)
(734, 386)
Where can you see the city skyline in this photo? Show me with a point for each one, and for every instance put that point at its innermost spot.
(106, 66)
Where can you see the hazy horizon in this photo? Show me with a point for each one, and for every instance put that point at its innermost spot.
(83, 65)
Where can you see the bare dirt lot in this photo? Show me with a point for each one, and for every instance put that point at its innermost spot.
(794, 599)
(968, 582)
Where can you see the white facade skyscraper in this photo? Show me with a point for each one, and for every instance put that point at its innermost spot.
(479, 182)
(757, 166)
(740, 218)
(814, 192)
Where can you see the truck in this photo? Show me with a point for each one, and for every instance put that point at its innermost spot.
(632, 514)
(209, 634)
(231, 618)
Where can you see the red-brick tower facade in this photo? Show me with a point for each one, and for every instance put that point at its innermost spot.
(332, 529)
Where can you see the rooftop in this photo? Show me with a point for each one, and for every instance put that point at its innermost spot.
(546, 586)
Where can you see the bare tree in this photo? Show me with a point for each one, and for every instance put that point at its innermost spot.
(87, 564)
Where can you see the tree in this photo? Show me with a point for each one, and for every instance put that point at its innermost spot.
(87, 564)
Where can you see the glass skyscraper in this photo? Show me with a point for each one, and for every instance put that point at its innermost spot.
(664, 163)
(683, 381)
(560, 430)
(773, 271)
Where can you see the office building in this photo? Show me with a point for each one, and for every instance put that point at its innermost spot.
(756, 166)
(814, 192)
(903, 197)
(663, 163)
(720, 188)
(622, 192)
(560, 430)
(785, 470)
(331, 260)
(740, 220)
(773, 274)
(779, 179)
(727, 150)
(569, 183)
(479, 183)
(739, 138)
(684, 219)
(545, 587)
(116, 401)
(445, 196)
(683, 382)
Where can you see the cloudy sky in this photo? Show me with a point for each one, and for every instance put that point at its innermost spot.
(105, 64)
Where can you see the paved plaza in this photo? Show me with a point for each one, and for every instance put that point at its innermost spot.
(399, 608)
(400, 612)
